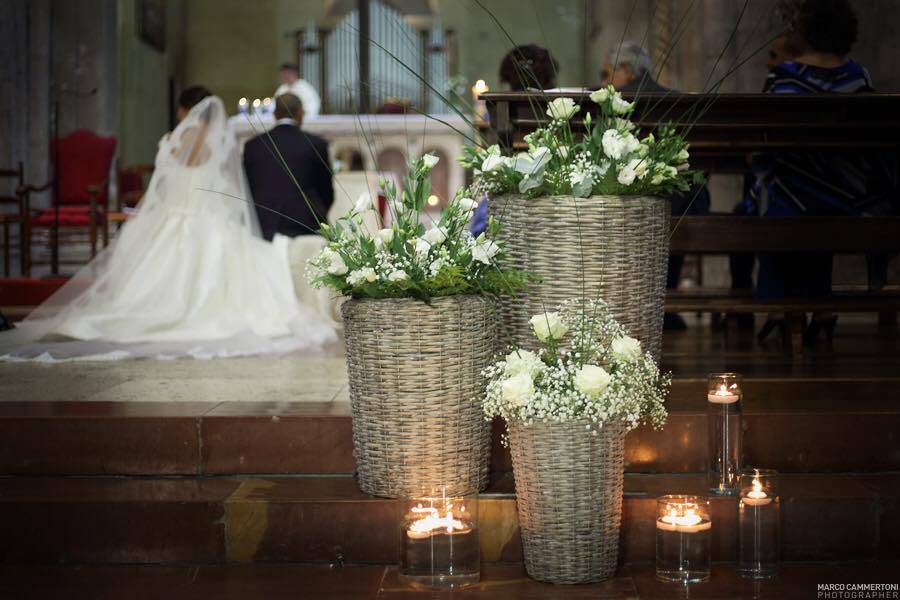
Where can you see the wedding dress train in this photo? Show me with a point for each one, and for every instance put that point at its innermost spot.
(188, 275)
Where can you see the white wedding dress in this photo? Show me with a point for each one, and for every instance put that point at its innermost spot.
(188, 275)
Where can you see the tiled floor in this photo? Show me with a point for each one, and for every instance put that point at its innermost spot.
(372, 582)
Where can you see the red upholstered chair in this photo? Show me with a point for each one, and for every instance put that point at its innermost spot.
(85, 159)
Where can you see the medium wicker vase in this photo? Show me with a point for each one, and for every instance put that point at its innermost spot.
(416, 391)
(614, 248)
(569, 498)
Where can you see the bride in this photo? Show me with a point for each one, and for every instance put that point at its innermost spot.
(188, 275)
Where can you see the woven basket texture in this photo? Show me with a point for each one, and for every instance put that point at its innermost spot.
(416, 391)
(614, 248)
(569, 498)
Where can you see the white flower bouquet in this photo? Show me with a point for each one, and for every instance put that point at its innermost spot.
(407, 259)
(587, 368)
(610, 158)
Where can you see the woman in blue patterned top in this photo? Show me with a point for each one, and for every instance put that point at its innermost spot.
(820, 35)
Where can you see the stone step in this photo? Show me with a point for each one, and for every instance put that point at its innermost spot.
(326, 518)
(790, 425)
(380, 582)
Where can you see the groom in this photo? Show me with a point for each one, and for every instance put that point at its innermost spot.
(273, 188)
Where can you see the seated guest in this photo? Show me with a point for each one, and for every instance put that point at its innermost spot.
(524, 67)
(281, 205)
(820, 34)
(627, 68)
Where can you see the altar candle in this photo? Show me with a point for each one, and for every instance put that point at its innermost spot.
(242, 105)
(256, 104)
(267, 105)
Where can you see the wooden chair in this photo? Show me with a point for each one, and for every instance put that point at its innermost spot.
(85, 159)
(131, 184)
(19, 217)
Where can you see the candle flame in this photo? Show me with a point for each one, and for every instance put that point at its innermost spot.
(480, 87)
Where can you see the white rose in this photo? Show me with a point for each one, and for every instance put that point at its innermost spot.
(522, 361)
(398, 275)
(429, 160)
(435, 236)
(548, 326)
(492, 163)
(383, 237)
(336, 264)
(592, 380)
(364, 202)
(518, 389)
(562, 109)
(600, 96)
(484, 251)
(626, 348)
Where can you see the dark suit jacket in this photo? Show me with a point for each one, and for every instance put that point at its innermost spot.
(307, 157)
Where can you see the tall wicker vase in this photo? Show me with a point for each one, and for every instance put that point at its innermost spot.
(614, 248)
(416, 391)
(569, 498)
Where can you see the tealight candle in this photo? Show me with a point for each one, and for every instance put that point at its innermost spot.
(756, 496)
(759, 524)
(683, 527)
(439, 541)
(723, 395)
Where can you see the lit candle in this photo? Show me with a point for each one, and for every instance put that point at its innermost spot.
(756, 496)
(479, 88)
(267, 105)
(689, 522)
(242, 105)
(432, 523)
(723, 395)
(256, 104)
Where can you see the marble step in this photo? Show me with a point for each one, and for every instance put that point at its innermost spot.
(842, 425)
(380, 582)
(51, 520)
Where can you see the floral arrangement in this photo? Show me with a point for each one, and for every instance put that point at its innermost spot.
(586, 368)
(610, 158)
(407, 259)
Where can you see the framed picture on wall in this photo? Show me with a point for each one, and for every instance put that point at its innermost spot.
(151, 21)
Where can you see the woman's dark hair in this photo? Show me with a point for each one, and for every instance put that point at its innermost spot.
(827, 25)
(529, 66)
(190, 97)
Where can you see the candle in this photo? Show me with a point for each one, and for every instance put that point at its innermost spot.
(689, 522)
(479, 88)
(432, 522)
(439, 543)
(756, 496)
(723, 395)
(683, 525)
(267, 105)
(242, 105)
(256, 104)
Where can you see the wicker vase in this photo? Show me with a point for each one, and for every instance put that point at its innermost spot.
(615, 248)
(569, 498)
(415, 393)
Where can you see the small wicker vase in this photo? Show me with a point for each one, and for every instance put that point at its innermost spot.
(416, 391)
(609, 247)
(569, 497)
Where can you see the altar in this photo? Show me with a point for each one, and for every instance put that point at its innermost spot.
(381, 142)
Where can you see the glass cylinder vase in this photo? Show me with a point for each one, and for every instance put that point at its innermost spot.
(683, 527)
(759, 524)
(439, 541)
(723, 395)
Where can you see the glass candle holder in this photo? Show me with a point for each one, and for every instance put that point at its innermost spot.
(723, 395)
(759, 524)
(439, 541)
(683, 527)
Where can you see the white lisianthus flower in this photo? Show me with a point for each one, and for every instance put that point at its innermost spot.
(548, 326)
(626, 175)
(429, 160)
(398, 275)
(621, 106)
(683, 167)
(617, 144)
(422, 247)
(467, 205)
(624, 124)
(492, 163)
(435, 236)
(563, 152)
(682, 155)
(523, 361)
(484, 251)
(360, 275)
(383, 237)
(601, 169)
(640, 166)
(582, 183)
(517, 390)
(592, 380)
(562, 109)
(363, 203)
(600, 96)
(626, 348)
(336, 264)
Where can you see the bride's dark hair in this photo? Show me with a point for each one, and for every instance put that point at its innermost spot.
(192, 96)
